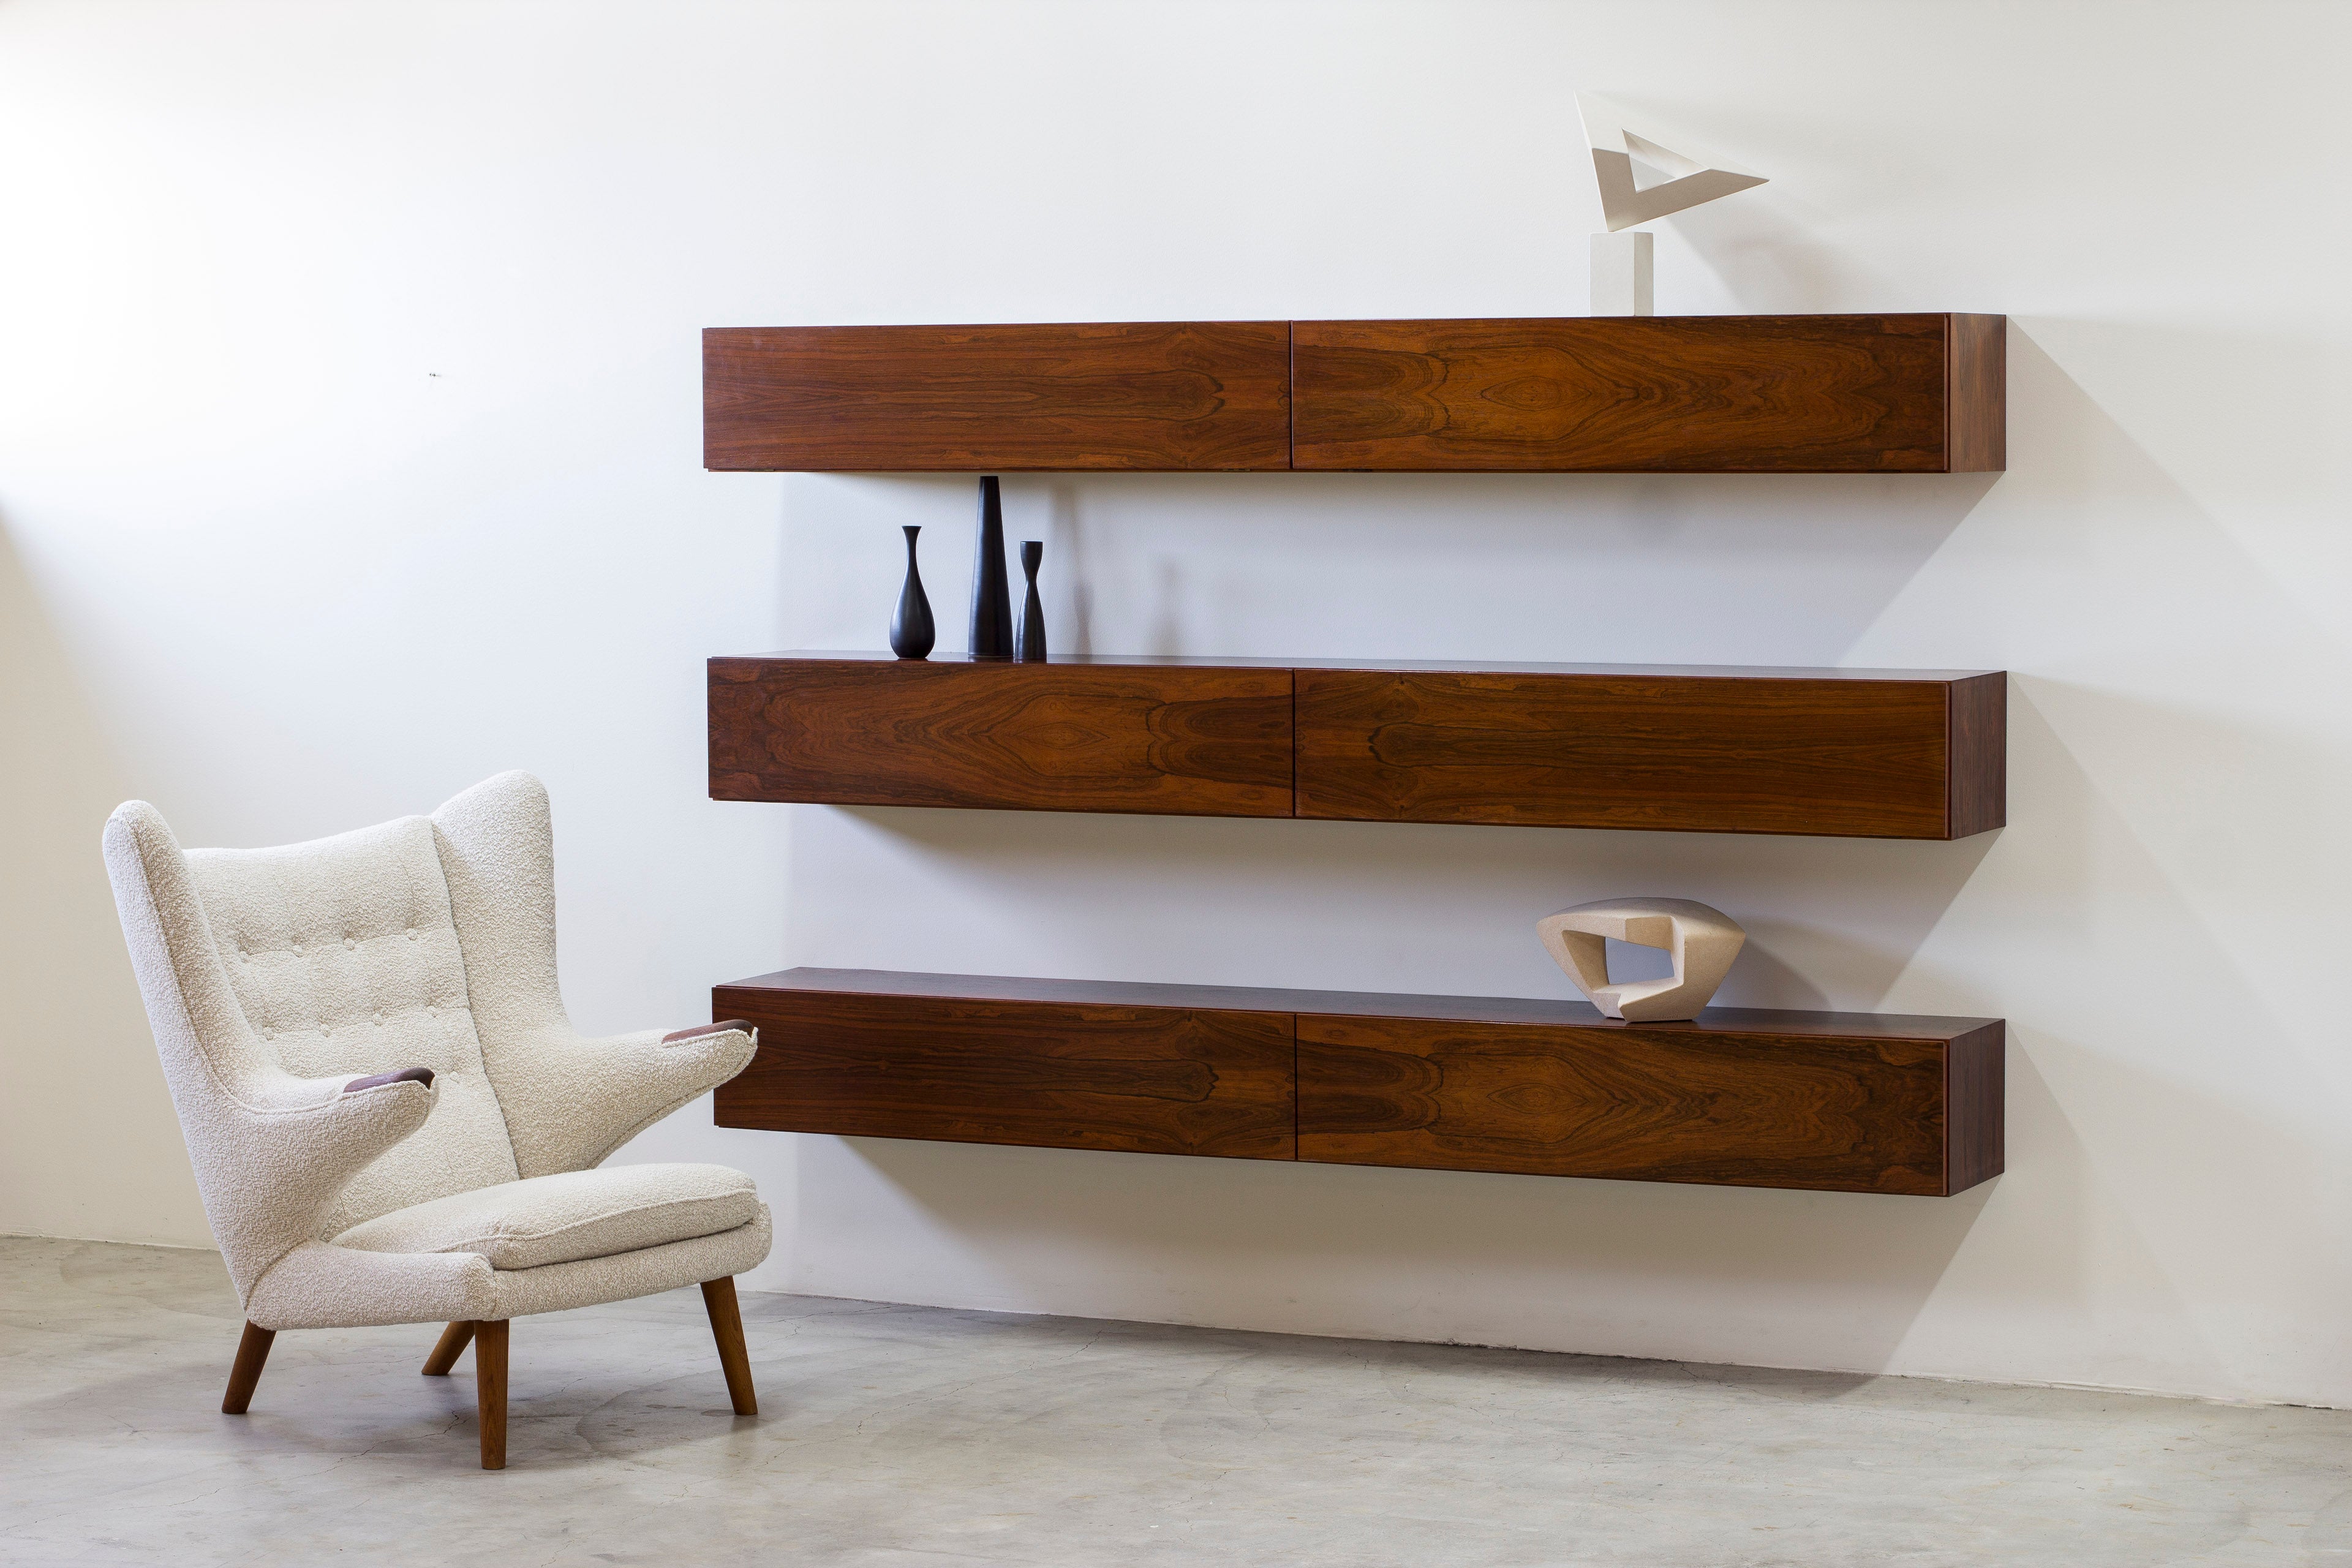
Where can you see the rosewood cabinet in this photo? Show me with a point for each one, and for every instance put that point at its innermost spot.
(1863, 753)
(1842, 1102)
(1116, 395)
(1880, 393)
(1870, 754)
(1912, 394)
(852, 730)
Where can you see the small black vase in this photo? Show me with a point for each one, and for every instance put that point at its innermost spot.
(1032, 612)
(991, 601)
(912, 632)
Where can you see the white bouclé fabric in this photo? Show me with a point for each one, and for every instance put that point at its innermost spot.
(274, 977)
(568, 1216)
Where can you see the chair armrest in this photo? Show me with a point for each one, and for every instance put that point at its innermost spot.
(570, 1100)
(283, 1148)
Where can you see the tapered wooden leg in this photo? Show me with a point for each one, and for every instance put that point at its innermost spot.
(453, 1341)
(727, 1328)
(251, 1351)
(490, 1391)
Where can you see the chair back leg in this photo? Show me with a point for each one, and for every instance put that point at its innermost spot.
(727, 1328)
(453, 1341)
(490, 1391)
(252, 1351)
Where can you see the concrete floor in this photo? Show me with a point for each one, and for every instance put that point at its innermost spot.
(915, 1436)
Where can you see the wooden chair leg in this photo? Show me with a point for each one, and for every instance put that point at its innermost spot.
(251, 1351)
(490, 1391)
(453, 1341)
(727, 1328)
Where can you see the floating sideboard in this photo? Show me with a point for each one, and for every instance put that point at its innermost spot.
(1920, 393)
(1714, 749)
(1832, 1101)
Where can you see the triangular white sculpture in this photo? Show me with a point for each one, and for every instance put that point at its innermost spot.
(1622, 202)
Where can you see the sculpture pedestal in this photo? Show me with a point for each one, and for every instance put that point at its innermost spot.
(1621, 275)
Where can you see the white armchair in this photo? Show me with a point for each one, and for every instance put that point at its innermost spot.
(391, 1119)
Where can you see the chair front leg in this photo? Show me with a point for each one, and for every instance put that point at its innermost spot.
(252, 1351)
(490, 1391)
(727, 1328)
(453, 1341)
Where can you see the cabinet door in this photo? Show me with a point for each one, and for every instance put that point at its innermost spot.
(1658, 1103)
(1666, 394)
(1151, 1080)
(1121, 394)
(1182, 741)
(1706, 755)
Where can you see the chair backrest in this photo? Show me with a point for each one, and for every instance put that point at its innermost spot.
(344, 956)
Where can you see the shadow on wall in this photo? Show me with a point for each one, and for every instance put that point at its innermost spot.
(89, 1146)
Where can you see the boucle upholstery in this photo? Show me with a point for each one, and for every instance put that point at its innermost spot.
(275, 978)
(568, 1216)
(569, 1101)
(319, 1286)
(342, 955)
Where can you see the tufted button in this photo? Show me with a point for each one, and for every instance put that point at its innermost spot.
(349, 943)
(412, 933)
(297, 947)
(269, 1033)
(325, 1031)
(379, 1015)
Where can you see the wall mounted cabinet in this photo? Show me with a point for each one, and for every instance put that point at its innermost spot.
(1120, 396)
(1844, 752)
(1835, 394)
(1883, 394)
(1842, 1102)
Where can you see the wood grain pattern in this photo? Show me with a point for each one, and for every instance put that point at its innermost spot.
(1175, 740)
(1646, 1102)
(1979, 754)
(1976, 1115)
(1124, 394)
(1977, 394)
(448, 1348)
(490, 1390)
(1742, 1097)
(1762, 755)
(244, 1372)
(1665, 393)
(726, 1330)
(1154, 1080)
(1887, 753)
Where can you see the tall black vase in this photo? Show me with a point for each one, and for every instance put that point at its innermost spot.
(912, 632)
(1032, 612)
(991, 600)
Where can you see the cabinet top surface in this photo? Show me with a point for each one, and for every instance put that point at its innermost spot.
(1401, 666)
(1606, 323)
(1358, 1004)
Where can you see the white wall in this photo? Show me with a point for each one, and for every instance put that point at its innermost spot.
(349, 437)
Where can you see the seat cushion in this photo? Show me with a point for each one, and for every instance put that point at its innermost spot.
(566, 1217)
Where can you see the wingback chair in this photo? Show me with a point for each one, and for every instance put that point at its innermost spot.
(392, 1120)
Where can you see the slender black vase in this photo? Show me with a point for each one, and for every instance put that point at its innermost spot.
(991, 600)
(1032, 612)
(912, 632)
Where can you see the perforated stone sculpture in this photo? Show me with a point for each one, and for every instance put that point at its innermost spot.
(1702, 940)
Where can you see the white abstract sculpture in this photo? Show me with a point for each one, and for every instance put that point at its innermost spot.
(1703, 941)
(1621, 263)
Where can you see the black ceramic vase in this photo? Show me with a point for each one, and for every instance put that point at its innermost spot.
(912, 632)
(1032, 614)
(991, 601)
